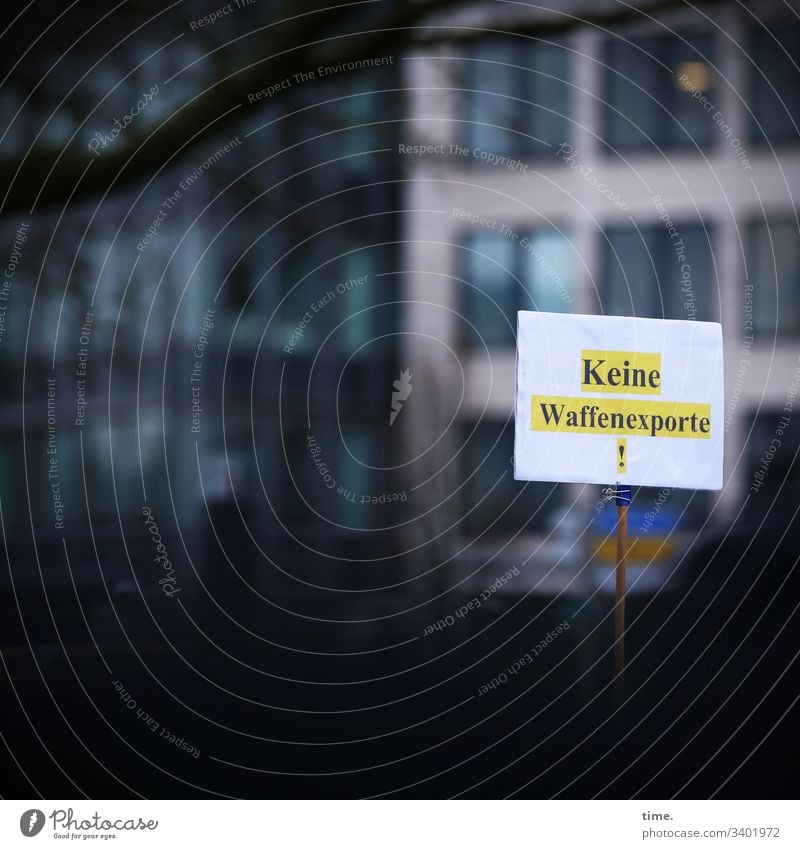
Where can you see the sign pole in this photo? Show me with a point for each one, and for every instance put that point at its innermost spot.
(623, 498)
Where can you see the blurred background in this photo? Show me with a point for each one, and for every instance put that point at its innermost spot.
(262, 263)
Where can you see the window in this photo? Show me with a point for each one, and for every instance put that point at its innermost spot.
(490, 294)
(53, 459)
(303, 476)
(245, 317)
(338, 292)
(491, 496)
(654, 272)
(775, 94)
(357, 452)
(649, 87)
(547, 273)
(516, 96)
(121, 487)
(337, 124)
(308, 280)
(503, 274)
(359, 113)
(774, 270)
(360, 293)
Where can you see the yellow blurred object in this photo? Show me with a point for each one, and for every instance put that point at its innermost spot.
(649, 549)
(694, 76)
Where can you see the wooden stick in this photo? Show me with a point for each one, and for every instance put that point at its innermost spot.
(619, 609)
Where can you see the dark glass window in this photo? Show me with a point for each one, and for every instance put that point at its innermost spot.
(490, 292)
(654, 272)
(304, 317)
(774, 271)
(516, 99)
(338, 293)
(356, 480)
(303, 474)
(336, 125)
(360, 321)
(775, 93)
(120, 489)
(649, 86)
(48, 480)
(535, 271)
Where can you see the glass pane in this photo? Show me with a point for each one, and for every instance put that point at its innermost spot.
(356, 112)
(548, 273)
(60, 455)
(649, 87)
(355, 302)
(631, 78)
(787, 255)
(774, 269)
(691, 73)
(303, 476)
(492, 109)
(306, 315)
(630, 286)
(776, 94)
(490, 300)
(762, 274)
(690, 291)
(123, 491)
(547, 119)
(354, 478)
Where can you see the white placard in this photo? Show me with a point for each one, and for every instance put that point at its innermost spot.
(605, 399)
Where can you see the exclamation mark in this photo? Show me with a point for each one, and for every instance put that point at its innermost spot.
(622, 455)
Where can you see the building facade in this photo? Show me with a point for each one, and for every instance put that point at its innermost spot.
(653, 172)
